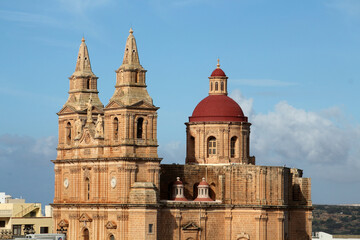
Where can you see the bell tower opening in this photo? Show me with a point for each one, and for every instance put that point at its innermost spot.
(139, 128)
(68, 133)
(116, 128)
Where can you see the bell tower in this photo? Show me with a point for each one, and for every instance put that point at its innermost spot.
(130, 116)
(82, 106)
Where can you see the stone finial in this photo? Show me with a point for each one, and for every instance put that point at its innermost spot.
(218, 64)
(178, 179)
(131, 31)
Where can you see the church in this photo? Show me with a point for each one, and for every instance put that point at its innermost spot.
(110, 183)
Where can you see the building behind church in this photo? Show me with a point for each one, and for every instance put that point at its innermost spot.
(109, 183)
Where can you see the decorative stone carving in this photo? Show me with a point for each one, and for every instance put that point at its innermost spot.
(85, 218)
(86, 172)
(111, 225)
(242, 236)
(89, 111)
(78, 128)
(63, 223)
(191, 226)
(99, 129)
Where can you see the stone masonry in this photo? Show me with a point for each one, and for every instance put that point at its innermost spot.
(109, 183)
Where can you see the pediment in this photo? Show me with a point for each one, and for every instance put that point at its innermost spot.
(97, 110)
(114, 104)
(63, 223)
(67, 109)
(85, 218)
(191, 226)
(142, 104)
(111, 225)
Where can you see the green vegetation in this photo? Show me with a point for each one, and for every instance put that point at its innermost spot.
(336, 219)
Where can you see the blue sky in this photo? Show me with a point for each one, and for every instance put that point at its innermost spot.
(292, 66)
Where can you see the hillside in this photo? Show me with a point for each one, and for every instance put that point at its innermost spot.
(337, 219)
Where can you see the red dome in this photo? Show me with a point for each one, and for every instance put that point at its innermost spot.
(216, 108)
(218, 72)
(203, 183)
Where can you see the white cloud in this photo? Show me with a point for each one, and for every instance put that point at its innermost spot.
(246, 104)
(26, 168)
(45, 146)
(172, 152)
(317, 142)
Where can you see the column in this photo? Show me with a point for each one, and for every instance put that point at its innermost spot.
(261, 227)
(281, 227)
(177, 234)
(146, 130)
(228, 223)
(127, 134)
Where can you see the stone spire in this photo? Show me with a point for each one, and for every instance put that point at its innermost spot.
(130, 85)
(83, 82)
(131, 56)
(83, 66)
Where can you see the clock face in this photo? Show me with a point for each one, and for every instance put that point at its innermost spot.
(113, 182)
(66, 183)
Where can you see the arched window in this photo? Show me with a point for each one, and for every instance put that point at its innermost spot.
(87, 187)
(212, 193)
(136, 77)
(116, 128)
(212, 146)
(86, 234)
(233, 146)
(211, 86)
(216, 86)
(88, 84)
(68, 133)
(222, 86)
(111, 237)
(139, 127)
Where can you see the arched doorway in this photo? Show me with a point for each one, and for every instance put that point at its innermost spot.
(85, 234)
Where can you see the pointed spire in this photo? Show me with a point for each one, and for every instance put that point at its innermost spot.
(83, 66)
(131, 57)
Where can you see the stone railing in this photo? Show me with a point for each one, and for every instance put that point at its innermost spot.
(6, 234)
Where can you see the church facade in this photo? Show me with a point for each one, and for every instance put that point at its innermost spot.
(109, 183)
